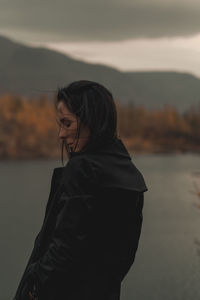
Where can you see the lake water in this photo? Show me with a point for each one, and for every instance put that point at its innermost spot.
(167, 265)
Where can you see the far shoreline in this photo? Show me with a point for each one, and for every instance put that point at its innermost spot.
(131, 152)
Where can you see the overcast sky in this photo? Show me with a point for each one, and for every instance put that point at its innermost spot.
(127, 34)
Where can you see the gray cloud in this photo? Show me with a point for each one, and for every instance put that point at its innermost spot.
(54, 21)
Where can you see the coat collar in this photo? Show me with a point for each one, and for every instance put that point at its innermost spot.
(121, 171)
(114, 147)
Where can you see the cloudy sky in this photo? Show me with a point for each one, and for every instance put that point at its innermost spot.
(126, 34)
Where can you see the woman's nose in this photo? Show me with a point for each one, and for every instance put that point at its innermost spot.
(62, 133)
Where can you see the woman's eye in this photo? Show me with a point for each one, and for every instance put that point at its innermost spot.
(64, 123)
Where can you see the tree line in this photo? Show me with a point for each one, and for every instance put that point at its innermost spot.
(28, 128)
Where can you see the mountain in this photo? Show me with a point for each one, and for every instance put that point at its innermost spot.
(30, 71)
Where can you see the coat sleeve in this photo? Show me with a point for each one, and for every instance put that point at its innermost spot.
(69, 244)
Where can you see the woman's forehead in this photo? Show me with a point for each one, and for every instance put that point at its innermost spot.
(63, 111)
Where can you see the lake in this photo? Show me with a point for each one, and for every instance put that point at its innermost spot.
(167, 264)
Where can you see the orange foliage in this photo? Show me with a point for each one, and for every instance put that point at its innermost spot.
(28, 128)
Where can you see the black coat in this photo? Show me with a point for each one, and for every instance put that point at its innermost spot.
(91, 228)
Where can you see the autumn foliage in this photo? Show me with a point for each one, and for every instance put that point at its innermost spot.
(158, 131)
(28, 128)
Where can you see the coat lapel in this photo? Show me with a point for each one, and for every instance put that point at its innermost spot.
(55, 192)
(55, 184)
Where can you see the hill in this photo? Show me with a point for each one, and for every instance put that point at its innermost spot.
(30, 71)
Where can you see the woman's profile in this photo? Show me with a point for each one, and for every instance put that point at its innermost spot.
(93, 218)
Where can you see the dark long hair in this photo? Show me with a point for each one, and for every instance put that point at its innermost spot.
(94, 105)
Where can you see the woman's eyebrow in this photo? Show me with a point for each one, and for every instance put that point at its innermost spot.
(66, 119)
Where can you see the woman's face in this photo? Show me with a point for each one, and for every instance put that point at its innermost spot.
(68, 127)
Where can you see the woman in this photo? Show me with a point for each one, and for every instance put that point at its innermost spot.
(93, 218)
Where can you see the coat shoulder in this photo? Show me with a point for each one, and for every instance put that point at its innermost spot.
(81, 166)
